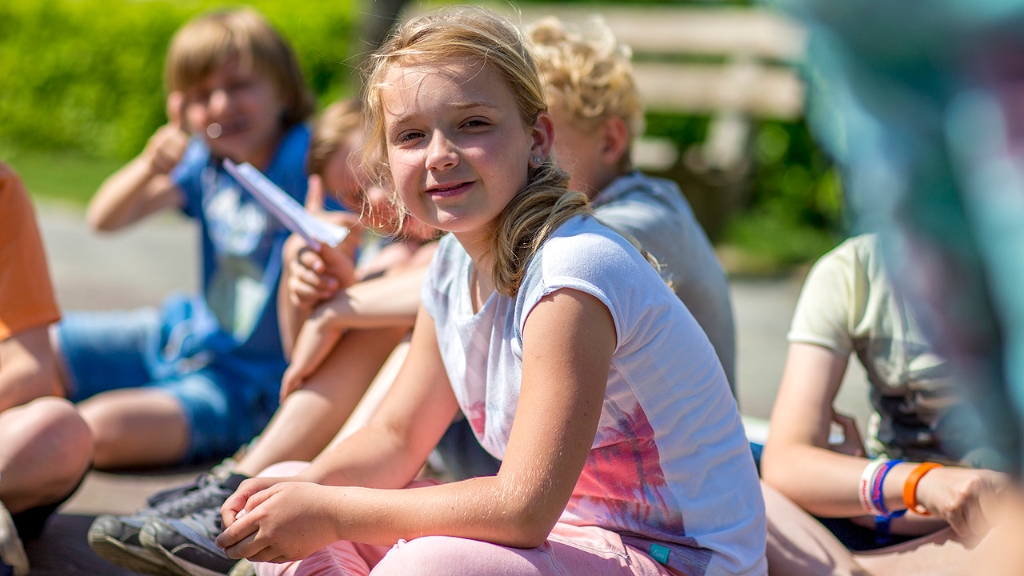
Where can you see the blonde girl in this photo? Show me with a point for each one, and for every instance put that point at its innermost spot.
(621, 446)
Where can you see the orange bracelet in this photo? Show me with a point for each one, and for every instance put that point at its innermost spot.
(910, 486)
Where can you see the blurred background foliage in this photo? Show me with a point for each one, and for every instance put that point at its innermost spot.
(82, 91)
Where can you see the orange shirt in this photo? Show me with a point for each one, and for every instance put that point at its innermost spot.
(26, 294)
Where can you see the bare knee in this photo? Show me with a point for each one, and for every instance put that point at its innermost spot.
(68, 438)
(50, 449)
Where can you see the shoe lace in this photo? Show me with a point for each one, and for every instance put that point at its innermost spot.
(201, 495)
(206, 521)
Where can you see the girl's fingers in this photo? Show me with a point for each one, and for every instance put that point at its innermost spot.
(302, 294)
(244, 548)
(321, 281)
(238, 499)
(340, 265)
(315, 194)
(311, 260)
(245, 525)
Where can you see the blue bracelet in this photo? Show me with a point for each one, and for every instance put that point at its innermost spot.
(882, 523)
(878, 493)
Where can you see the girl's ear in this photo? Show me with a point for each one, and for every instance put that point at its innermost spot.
(614, 140)
(543, 134)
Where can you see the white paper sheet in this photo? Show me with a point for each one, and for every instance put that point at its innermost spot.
(292, 214)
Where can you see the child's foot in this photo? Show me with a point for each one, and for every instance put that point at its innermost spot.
(188, 543)
(13, 559)
(116, 538)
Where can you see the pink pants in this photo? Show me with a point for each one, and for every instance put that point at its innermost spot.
(583, 550)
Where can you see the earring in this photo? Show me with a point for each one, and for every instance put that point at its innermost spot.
(538, 160)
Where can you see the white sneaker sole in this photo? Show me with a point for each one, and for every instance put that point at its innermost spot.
(11, 550)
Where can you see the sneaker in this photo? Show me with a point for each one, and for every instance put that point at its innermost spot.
(188, 543)
(116, 538)
(13, 559)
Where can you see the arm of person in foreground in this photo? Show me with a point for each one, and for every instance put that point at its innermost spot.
(799, 463)
(27, 369)
(568, 343)
(143, 186)
(309, 277)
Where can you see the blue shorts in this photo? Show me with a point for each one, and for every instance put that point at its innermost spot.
(115, 350)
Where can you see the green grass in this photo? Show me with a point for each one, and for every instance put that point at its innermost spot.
(70, 177)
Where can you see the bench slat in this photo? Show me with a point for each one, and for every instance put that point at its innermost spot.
(762, 91)
(699, 31)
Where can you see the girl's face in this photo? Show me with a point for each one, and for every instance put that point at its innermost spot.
(237, 113)
(339, 177)
(375, 206)
(457, 148)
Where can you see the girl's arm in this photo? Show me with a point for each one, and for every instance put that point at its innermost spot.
(568, 343)
(309, 277)
(798, 462)
(386, 301)
(143, 186)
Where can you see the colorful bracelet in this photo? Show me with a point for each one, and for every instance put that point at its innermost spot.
(867, 479)
(878, 489)
(910, 486)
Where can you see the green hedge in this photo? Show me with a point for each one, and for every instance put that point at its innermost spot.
(87, 74)
(82, 79)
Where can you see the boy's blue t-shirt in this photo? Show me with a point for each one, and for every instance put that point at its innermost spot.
(232, 324)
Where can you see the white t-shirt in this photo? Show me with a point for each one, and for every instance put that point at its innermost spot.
(670, 463)
(656, 213)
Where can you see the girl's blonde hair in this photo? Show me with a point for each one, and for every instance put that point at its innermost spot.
(209, 41)
(482, 36)
(587, 73)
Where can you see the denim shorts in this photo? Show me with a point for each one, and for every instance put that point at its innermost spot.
(115, 350)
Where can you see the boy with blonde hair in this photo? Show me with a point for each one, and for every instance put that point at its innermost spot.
(597, 111)
(197, 378)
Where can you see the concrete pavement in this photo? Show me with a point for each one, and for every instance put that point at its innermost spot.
(139, 266)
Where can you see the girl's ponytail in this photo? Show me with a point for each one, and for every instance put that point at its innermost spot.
(528, 220)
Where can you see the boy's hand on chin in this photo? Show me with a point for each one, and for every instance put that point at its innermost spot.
(284, 522)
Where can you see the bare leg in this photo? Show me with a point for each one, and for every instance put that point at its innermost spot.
(375, 393)
(798, 545)
(45, 448)
(310, 417)
(136, 427)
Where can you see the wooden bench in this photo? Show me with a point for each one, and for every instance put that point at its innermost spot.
(734, 65)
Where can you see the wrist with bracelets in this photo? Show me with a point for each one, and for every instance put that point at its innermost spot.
(872, 493)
